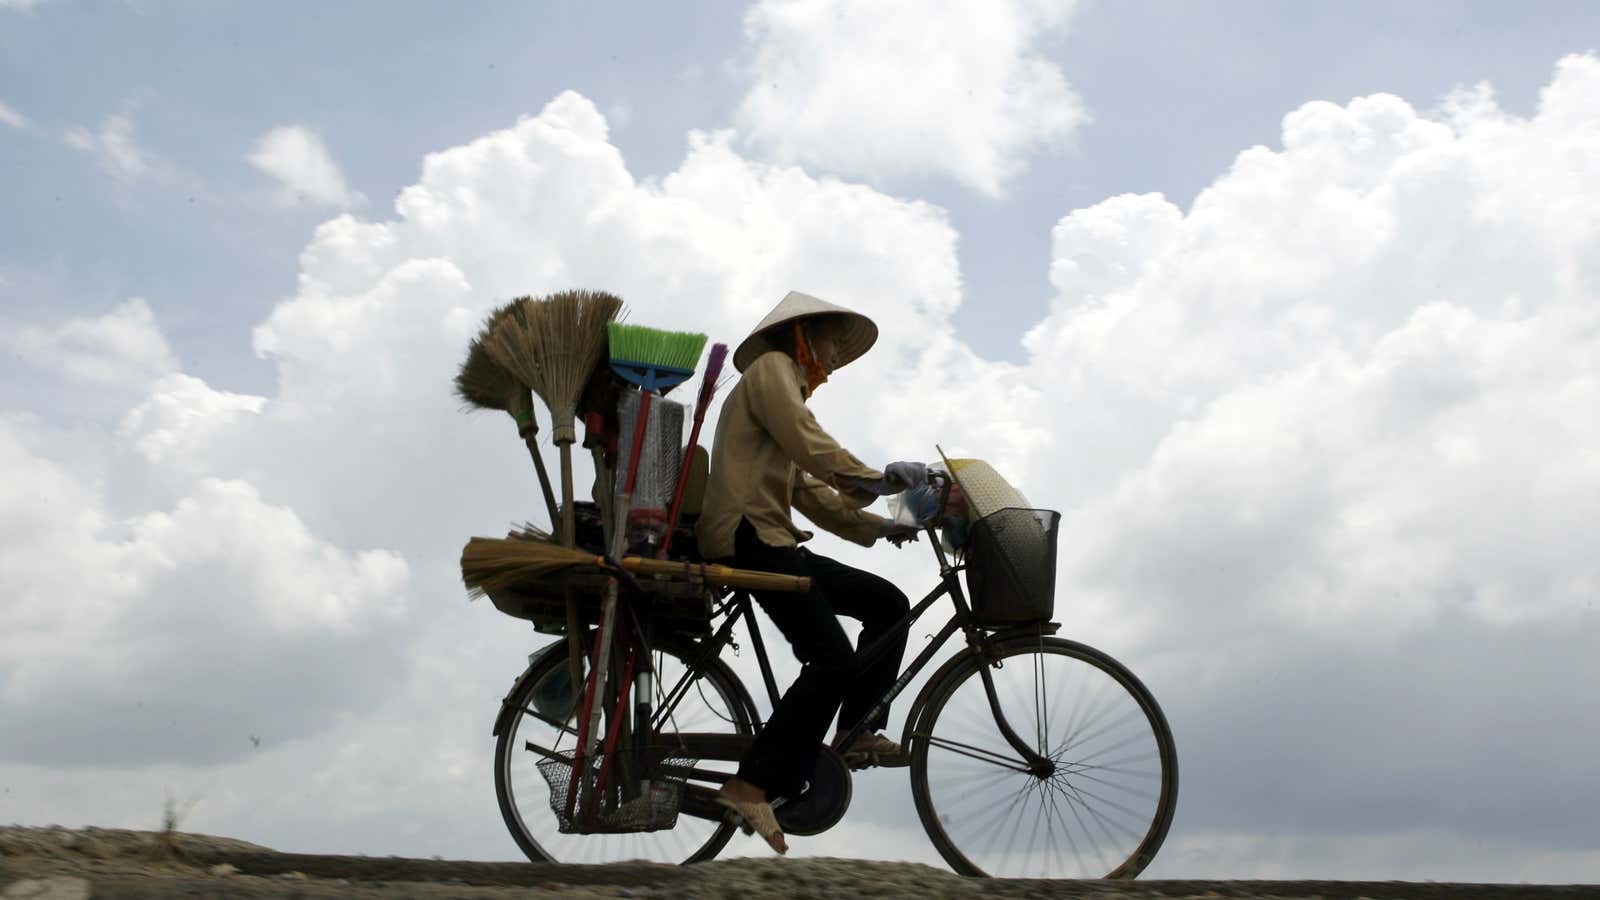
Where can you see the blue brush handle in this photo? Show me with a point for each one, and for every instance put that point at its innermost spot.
(650, 376)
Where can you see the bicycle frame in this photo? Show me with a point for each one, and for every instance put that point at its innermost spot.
(738, 606)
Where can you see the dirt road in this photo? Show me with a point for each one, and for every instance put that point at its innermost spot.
(64, 864)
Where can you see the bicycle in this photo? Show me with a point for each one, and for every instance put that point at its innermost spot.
(1094, 763)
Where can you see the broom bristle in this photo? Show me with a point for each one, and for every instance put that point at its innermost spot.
(552, 345)
(482, 382)
(528, 531)
(653, 346)
(708, 381)
(495, 564)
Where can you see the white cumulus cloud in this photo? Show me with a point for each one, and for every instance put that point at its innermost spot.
(181, 415)
(955, 88)
(184, 630)
(298, 159)
(122, 348)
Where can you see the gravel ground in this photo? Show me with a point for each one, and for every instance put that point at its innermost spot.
(64, 864)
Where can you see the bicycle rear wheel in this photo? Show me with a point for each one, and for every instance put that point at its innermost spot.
(1104, 809)
(545, 715)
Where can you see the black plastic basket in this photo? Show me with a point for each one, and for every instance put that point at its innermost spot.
(626, 809)
(1011, 567)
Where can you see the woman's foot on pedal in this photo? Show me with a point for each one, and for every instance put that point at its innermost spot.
(873, 749)
(748, 808)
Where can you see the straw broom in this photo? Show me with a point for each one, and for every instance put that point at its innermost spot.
(485, 384)
(552, 346)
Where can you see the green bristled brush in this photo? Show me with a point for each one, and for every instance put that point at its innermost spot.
(657, 361)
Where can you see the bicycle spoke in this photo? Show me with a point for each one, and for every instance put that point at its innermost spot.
(1143, 795)
(1091, 720)
(1072, 795)
(1018, 705)
(1081, 792)
(1002, 814)
(1117, 766)
(1022, 814)
(1133, 715)
(1077, 708)
(977, 753)
(995, 825)
(1094, 845)
(1049, 826)
(1061, 693)
(1067, 831)
(1034, 832)
(975, 786)
(1040, 703)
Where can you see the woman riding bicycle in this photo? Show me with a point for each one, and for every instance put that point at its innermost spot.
(769, 455)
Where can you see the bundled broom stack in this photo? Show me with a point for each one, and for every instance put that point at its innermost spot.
(570, 350)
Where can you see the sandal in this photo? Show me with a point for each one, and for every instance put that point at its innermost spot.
(872, 749)
(755, 818)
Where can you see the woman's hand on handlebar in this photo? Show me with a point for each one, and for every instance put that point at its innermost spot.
(898, 533)
(897, 477)
(905, 475)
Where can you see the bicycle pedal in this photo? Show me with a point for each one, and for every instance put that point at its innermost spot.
(872, 760)
(732, 818)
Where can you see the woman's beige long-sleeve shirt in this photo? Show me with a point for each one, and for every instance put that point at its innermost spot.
(769, 456)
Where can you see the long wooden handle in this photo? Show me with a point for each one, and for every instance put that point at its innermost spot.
(520, 408)
(683, 482)
(714, 574)
(569, 537)
(531, 438)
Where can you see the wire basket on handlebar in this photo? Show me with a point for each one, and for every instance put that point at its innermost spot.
(1011, 566)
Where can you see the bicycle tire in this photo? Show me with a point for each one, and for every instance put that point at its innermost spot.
(1068, 792)
(511, 766)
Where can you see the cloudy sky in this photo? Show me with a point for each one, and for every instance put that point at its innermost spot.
(1292, 309)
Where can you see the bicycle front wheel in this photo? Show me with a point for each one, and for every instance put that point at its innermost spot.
(546, 715)
(1104, 808)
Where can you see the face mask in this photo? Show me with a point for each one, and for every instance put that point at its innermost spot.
(814, 371)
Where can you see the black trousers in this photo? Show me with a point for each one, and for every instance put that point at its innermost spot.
(831, 682)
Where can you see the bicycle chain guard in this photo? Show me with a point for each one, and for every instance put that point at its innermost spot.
(825, 800)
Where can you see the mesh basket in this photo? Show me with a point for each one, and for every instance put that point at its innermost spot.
(1011, 566)
(623, 808)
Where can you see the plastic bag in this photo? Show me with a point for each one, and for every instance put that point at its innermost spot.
(920, 504)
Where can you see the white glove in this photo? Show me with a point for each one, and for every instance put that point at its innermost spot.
(897, 477)
(905, 475)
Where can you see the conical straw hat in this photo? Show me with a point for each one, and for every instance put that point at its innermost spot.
(986, 490)
(857, 335)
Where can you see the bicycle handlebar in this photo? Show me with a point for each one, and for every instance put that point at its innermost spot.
(943, 482)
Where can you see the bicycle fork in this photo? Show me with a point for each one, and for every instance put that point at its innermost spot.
(1038, 765)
